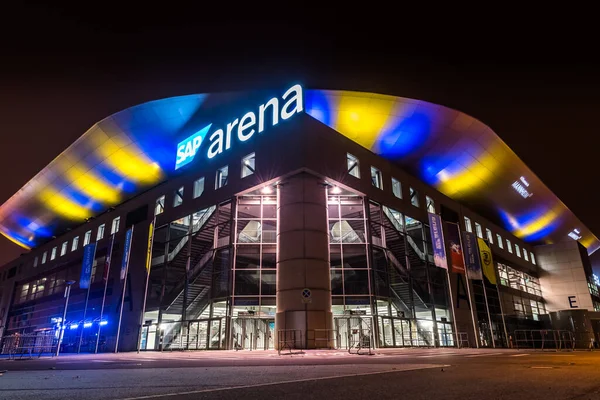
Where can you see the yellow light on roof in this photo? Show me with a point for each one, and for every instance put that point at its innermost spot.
(538, 224)
(64, 206)
(16, 241)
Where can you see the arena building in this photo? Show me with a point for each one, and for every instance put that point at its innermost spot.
(295, 218)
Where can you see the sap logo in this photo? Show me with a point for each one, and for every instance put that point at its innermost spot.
(268, 114)
(187, 149)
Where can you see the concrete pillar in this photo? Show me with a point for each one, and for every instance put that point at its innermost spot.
(303, 263)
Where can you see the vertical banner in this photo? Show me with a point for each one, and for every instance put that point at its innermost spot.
(126, 250)
(149, 249)
(456, 252)
(86, 266)
(471, 255)
(437, 238)
(487, 261)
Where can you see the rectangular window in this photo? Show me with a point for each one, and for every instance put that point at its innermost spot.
(509, 246)
(248, 165)
(53, 254)
(525, 255)
(490, 238)
(87, 238)
(478, 230)
(518, 250)
(35, 261)
(44, 257)
(178, 198)
(532, 257)
(221, 178)
(468, 226)
(75, 243)
(353, 168)
(397, 188)
(115, 225)
(499, 240)
(100, 234)
(63, 249)
(414, 197)
(159, 207)
(430, 204)
(198, 187)
(376, 178)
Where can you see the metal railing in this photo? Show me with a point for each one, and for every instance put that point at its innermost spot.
(30, 344)
(324, 338)
(544, 339)
(462, 340)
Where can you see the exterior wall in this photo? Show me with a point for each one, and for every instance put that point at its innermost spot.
(301, 144)
(563, 277)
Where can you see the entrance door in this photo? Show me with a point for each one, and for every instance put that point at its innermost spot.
(253, 333)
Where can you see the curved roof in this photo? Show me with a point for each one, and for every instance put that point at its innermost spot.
(134, 149)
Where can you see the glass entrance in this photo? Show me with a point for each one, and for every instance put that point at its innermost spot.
(253, 333)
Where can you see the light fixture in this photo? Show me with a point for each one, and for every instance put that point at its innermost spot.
(87, 324)
(267, 190)
(74, 326)
(336, 190)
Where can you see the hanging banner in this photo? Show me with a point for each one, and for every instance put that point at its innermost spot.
(89, 251)
(126, 250)
(108, 257)
(437, 239)
(472, 264)
(456, 253)
(149, 249)
(487, 262)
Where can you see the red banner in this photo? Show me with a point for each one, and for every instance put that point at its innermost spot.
(456, 253)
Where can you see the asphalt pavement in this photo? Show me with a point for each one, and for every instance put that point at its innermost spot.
(387, 374)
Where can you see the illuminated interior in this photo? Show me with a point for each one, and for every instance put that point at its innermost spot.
(133, 150)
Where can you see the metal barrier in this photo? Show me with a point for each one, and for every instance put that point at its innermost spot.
(360, 341)
(544, 339)
(324, 338)
(462, 340)
(30, 344)
(289, 339)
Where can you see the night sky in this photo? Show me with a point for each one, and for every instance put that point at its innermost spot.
(62, 70)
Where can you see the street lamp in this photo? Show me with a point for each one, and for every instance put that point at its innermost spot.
(64, 317)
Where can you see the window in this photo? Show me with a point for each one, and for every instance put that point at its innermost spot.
(478, 230)
(517, 250)
(53, 254)
(100, 233)
(159, 207)
(376, 179)
(248, 165)
(499, 240)
(509, 246)
(490, 238)
(430, 204)
(178, 198)
(198, 187)
(353, 168)
(75, 243)
(414, 197)
(115, 225)
(221, 178)
(396, 188)
(532, 257)
(525, 255)
(35, 261)
(63, 249)
(468, 226)
(44, 257)
(87, 238)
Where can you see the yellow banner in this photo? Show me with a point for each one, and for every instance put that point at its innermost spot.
(487, 262)
(149, 251)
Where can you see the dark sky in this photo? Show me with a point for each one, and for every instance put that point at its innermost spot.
(63, 69)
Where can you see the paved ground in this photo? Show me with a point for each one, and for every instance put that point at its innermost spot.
(395, 373)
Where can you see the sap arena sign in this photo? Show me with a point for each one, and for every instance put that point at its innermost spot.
(268, 114)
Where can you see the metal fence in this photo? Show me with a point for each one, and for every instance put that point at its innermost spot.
(289, 339)
(544, 339)
(30, 344)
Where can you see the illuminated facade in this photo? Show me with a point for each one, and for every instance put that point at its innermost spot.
(297, 217)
